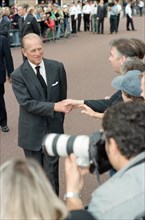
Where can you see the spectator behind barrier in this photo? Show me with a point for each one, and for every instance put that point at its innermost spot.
(123, 195)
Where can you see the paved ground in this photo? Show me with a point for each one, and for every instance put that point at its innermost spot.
(89, 74)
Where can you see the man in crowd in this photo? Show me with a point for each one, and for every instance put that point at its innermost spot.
(4, 24)
(121, 49)
(27, 23)
(123, 195)
(6, 67)
(39, 85)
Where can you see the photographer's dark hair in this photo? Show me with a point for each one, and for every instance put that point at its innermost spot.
(125, 123)
(129, 47)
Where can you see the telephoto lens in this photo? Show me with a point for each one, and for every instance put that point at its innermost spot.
(89, 150)
(63, 145)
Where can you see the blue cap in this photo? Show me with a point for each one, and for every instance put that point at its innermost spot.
(129, 83)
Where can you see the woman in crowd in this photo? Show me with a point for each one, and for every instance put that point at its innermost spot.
(26, 193)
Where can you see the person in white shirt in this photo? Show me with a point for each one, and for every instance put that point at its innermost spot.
(86, 16)
(129, 20)
(94, 20)
(73, 16)
(79, 14)
(118, 15)
(140, 5)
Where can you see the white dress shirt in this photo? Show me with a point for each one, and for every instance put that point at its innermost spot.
(42, 69)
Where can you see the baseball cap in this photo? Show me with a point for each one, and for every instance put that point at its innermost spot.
(129, 83)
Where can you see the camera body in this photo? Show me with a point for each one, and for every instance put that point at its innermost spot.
(89, 150)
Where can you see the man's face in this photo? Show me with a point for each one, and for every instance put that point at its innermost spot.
(115, 60)
(21, 11)
(33, 50)
(143, 87)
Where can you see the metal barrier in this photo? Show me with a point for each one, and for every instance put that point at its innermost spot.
(49, 35)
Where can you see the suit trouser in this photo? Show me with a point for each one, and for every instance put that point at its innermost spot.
(113, 23)
(49, 164)
(73, 24)
(101, 24)
(3, 113)
(86, 22)
(79, 21)
(129, 21)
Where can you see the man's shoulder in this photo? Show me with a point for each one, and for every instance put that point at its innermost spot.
(50, 61)
(19, 69)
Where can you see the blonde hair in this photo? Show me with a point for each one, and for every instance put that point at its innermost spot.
(27, 194)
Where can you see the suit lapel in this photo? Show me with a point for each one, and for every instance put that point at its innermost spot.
(49, 74)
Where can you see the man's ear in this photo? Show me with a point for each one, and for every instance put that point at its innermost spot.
(123, 58)
(23, 51)
(114, 146)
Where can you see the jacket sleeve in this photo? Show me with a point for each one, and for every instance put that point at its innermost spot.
(8, 56)
(35, 25)
(100, 105)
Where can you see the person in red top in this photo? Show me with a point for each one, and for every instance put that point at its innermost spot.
(50, 22)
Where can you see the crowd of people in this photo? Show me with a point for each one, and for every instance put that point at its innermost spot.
(54, 21)
(40, 88)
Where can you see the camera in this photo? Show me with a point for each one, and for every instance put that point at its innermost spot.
(89, 150)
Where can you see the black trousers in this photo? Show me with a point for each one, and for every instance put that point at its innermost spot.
(129, 22)
(79, 21)
(113, 23)
(49, 164)
(3, 113)
(86, 22)
(73, 23)
(101, 25)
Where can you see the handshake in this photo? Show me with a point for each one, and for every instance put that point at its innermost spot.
(67, 105)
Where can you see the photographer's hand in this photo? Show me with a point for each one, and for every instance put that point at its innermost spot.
(74, 181)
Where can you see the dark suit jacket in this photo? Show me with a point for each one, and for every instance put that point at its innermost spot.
(4, 27)
(30, 25)
(101, 12)
(100, 105)
(6, 61)
(37, 116)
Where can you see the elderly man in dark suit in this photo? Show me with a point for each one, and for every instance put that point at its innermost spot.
(40, 87)
(6, 66)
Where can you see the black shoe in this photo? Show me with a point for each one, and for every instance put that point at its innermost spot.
(5, 128)
(134, 30)
(128, 29)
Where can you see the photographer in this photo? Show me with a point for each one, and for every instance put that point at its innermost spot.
(122, 196)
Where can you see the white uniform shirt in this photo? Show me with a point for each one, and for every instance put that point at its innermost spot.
(86, 9)
(128, 10)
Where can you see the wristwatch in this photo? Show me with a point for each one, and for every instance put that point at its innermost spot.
(71, 195)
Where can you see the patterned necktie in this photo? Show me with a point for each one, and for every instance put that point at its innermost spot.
(41, 80)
